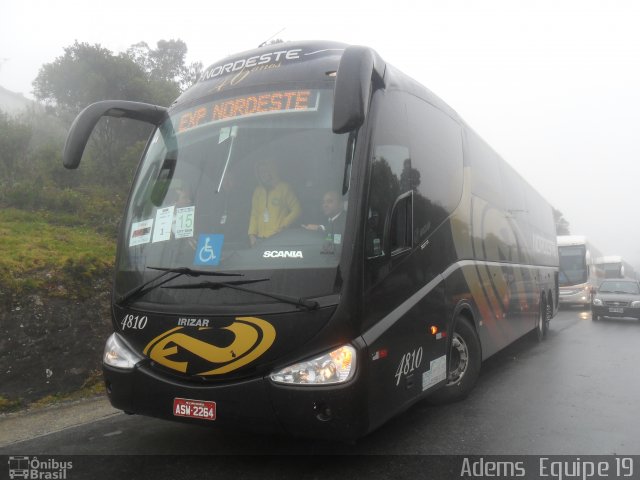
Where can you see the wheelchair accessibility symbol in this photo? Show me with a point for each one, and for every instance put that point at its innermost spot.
(209, 249)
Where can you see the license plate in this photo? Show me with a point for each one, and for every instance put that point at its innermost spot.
(616, 310)
(201, 409)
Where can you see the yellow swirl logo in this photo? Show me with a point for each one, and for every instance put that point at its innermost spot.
(251, 338)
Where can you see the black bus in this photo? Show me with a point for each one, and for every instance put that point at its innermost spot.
(312, 243)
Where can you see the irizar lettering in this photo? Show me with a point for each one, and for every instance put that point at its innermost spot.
(251, 62)
(282, 254)
(193, 322)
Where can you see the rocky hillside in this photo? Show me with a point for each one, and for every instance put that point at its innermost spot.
(51, 346)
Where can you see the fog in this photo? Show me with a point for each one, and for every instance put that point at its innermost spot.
(552, 85)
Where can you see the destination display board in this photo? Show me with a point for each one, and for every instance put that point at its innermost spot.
(281, 101)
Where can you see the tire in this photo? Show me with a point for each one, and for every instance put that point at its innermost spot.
(595, 317)
(464, 360)
(542, 325)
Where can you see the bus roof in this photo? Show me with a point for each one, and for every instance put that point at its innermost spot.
(268, 65)
(566, 240)
(610, 259)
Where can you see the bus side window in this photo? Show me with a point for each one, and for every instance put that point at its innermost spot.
(436, 170)
(386, 187)
(391, 163)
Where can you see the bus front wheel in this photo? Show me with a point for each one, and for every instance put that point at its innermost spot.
(464, 360)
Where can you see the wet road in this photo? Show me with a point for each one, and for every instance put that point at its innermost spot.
(577, 393)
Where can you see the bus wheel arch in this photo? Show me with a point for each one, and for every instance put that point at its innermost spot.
(464, 357)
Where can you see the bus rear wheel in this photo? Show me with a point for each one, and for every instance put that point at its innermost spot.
(543, 321)
(464, 362)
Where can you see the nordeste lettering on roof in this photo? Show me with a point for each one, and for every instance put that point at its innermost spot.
(251, 62)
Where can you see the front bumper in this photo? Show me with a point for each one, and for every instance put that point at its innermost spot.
(255, 405)
(575, 297)
(615, 312)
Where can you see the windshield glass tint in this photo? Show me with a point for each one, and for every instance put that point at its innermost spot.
(619, 287)
(251, 182)
(573, 269)
(612, 270)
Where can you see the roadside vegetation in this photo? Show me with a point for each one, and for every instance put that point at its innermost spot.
(41, 252)
(58, 227)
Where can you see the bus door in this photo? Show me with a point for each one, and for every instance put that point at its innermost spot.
(403, 291)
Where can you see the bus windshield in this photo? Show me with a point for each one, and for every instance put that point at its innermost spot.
(573, 267)
(246, 183)
(612, 270)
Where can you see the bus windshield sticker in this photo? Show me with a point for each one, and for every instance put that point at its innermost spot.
(437, 372)
(224, 134)
(209, 249)
(184, 221)
(284, 101)
(164, 219)
(141, 232)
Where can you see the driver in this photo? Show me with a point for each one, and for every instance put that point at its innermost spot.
(274, 205)
(333, 226)
(334, 212)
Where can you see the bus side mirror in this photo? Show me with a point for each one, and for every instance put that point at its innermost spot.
(359, 69)
(86, 120)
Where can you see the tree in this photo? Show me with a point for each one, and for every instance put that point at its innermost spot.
(562, 225)
(14, 144)
(89, 73)
(86, 74)
(166, 62)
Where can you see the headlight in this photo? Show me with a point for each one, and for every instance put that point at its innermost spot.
(597, 302)
(331, 368)
(118, 354)
(635, 304)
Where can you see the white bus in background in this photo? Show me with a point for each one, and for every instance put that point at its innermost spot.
(615, 267)
(580, 271)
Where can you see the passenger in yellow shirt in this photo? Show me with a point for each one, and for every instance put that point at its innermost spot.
(274, 205)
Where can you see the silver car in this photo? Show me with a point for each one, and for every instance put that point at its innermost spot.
(619, 297)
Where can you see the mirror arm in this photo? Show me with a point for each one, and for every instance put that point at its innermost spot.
(86, 120)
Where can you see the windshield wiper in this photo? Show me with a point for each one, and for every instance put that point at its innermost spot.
(143, 289)
(299, 302)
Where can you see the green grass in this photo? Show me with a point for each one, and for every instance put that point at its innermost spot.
(7, 405)
(39, 252)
